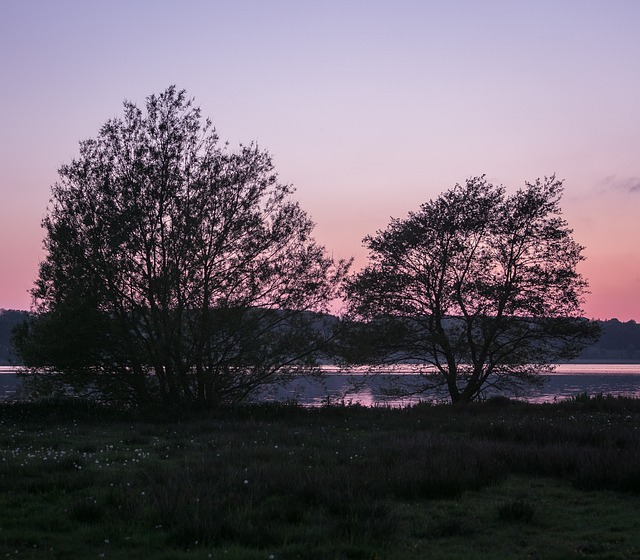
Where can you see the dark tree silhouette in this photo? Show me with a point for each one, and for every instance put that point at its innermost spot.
(479, 285)
(9, 319)
(177, 270)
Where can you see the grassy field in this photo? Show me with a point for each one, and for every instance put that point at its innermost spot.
(492, 480)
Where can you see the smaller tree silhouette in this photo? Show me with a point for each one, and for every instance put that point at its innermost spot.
(478, 285)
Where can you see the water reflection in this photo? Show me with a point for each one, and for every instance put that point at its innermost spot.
(334, 388)
(569, 380)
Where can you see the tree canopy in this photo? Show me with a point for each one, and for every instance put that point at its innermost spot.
(176, 269)
(480, 286)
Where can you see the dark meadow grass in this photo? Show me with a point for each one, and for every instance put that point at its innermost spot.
(278, 481)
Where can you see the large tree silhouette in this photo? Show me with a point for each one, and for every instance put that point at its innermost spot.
(177, 270)
(479, 285)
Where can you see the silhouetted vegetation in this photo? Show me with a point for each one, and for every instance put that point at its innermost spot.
(479, 285)
(177, 270)
(9, 319)
(618, 342)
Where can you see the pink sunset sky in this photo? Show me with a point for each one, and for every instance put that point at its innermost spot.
(369, 108)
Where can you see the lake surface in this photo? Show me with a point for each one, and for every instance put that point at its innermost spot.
(569, 380)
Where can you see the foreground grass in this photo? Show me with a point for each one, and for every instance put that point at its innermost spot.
(496, 480)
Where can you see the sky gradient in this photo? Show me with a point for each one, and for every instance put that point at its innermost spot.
(368, 107)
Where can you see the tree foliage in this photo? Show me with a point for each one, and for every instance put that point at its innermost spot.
(480, 285)
(9, 319)
(176, 269)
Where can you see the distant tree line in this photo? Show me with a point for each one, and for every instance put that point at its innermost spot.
(619, 341)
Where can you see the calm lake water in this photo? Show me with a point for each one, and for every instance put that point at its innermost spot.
(569, 380)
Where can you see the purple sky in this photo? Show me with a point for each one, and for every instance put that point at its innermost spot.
(369, 108)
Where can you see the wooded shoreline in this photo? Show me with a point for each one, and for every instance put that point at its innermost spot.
(619, 342)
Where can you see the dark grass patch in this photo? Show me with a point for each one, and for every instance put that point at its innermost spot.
(517, 511)
(86, 510)
(599, 402)
(461, 526)
(336, 482)
(41, 478)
